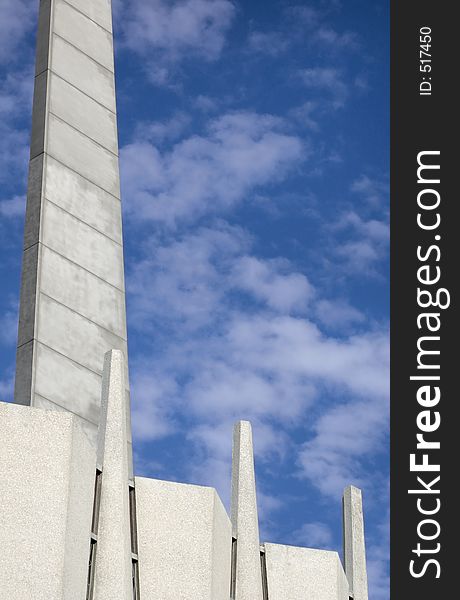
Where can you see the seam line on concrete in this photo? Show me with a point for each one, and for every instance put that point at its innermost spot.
(41, 72)
(84, 317)
(75, 362)
(122, 291)
(84, 222)
(79, 174)
(112, 112)
(81, 133)
(64, 409)
(87, 16)
(84, 53)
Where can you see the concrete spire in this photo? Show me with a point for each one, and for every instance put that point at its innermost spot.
(354, 550)
(72, 305)
(113, 572)
(245, 522)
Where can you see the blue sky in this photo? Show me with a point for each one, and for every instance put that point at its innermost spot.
(254, 142)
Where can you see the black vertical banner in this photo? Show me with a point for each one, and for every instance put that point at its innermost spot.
(425, 332)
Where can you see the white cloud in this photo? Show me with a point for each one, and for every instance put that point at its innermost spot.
(16, 19)
(374, 191)
(168, 130)
(285, 292)
(337, 41)
(206, 103)
(207, 174)
(378, 552)
(271, 43)
(15, 104)
(219, 360)
(175, 30)
(338, 314)
(13, 207)
(345, 434)
(314, 535)
(366, 241)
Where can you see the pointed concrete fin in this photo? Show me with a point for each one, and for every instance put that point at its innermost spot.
(244, 516)
(113, 571)
(354, 549)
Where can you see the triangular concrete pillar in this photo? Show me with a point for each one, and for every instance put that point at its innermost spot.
(245, 523)
(113, 569)
(354, 549)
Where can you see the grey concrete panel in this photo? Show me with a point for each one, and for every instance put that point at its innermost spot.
(86, 157)
(37, 140)
(43, 36)
(83, 33)
(184, 546)
(27, 307)
(86, 201)
(97, 10)
(74, 336)
(83, 113)
(83, 292)
(78, 391)
(47, 468)
(299, 573)
(84, 73)
(24, 373)
(113, 574)
(34, 201)
(82, 244)
(354, 546)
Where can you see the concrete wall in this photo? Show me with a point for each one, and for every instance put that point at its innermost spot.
(72, 308)
(300, 573)
(184, 541)
(47, 470)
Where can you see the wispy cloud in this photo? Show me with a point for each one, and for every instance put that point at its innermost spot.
(166, 33)
(16, 20)
(225, 359)
(269, 43)
(314, 535)
(207, 173)
(326, 79)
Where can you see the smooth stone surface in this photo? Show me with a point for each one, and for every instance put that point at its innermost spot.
(78, 392)
(82, 292)
(99, 11)
(72, 335)
(86, 158)
(83, 113)
(84, 73)
(83, 199)
(84, 33)
(82, 244)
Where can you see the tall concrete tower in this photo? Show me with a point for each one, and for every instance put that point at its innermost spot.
(72, 306)
(75, 524)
